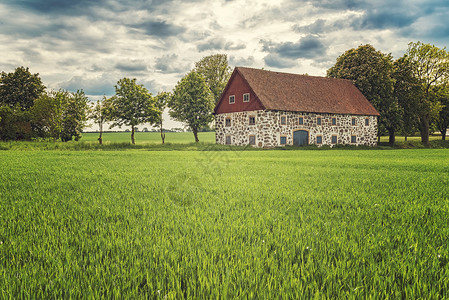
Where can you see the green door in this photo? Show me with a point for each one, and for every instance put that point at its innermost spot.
(300, 138)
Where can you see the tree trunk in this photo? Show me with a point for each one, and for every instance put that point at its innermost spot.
(132, 135)
(424, 128)
(162, 133)
(100, 139)
(378, 139)
(195, 134)
(392, 138)
(405, 135)
(443, 134)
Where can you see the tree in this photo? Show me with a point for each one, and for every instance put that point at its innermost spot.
(100, 113)
(216, 72)
(408, 92)
(20, 89)
(161, 103)
(370, 70)
(132, 105)
(431, 68)
(60, 114)
(441, 93)
(192, 102)
(74, 115)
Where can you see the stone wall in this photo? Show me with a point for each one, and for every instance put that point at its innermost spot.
(268, 129)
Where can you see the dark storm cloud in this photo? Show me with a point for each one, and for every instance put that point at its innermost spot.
(307, 47)
(159, 28)
(218, 44)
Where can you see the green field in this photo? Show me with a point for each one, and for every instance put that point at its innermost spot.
(150, 137)
(224, 224)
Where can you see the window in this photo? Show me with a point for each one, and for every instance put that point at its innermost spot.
(283, 140)
(228, 140)
(283, 120)
(228, 122)
(318, 121)
(246, 97)
(252, 120)
(231, 99)
(366, 122)
(252, 140)
(334, 121)
(334, 139)
(319, 139)
(301, 121)
(353, 139)
(353, 121)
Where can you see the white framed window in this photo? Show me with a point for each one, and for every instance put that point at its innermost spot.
(283, 120)
(228, 140)
(231, 99)
(252, 120)
(246, 97)
(228, 122)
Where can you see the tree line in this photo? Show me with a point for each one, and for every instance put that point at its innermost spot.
(411, 94)
(28, 111)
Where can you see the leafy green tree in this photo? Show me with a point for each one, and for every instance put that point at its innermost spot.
(192, 102)
(408, 92)
(216, 72)
(60, 114)
(440, 95)
(132, 105)
(20, 89)
(47, 114)
(74, 115)
(100, 113)
(431, 68)
(370, 70)
(161, 103)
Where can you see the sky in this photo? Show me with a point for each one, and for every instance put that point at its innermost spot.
(91, 44)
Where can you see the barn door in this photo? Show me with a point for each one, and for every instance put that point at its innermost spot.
(300, 138)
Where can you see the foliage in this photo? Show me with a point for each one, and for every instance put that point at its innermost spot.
(74, 116)
(441, 96)
(176, 225)
(60, 114)
(192, 102)
(14, 124)
(20, 89)
(132, 105)
(371, 71)
(101, 112)
(408, 94)
(431, 68)
(216, 72)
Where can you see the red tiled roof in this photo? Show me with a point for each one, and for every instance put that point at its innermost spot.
(292, 92)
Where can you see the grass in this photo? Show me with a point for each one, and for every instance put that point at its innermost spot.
(150, 137)
(234, 224)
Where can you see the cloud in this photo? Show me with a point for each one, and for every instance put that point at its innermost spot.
(159, 28)
(170, 64)
(101, 85)
(219, 44)
(131, 66)
(307, 47)
(241, 61)
(274, 60)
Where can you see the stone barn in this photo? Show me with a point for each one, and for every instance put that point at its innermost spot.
(269, 109)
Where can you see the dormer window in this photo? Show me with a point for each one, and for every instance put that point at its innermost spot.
(246, 97)
(231, 99)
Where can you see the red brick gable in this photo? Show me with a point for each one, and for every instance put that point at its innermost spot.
(292, 92)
